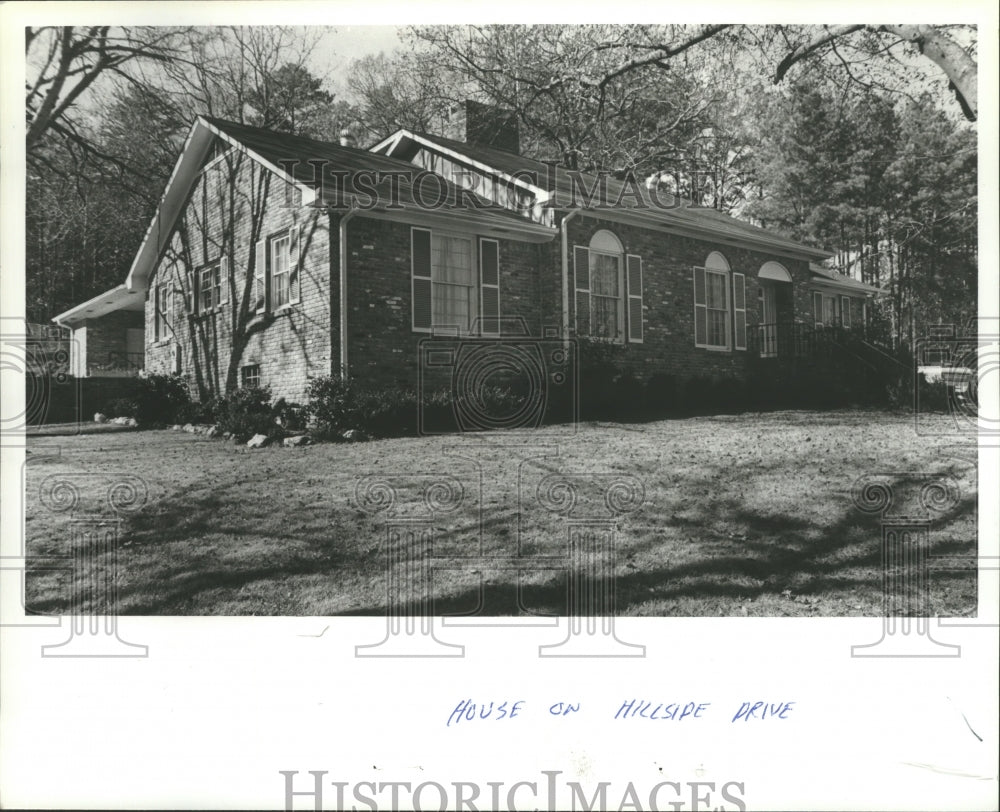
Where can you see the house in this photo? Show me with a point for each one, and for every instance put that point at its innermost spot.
(275, 259)
(106, 332)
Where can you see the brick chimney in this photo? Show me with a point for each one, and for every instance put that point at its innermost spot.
(483, 125)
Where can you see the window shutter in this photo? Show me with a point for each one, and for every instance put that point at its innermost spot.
(489, 283)
(192, 292)
(633, 272)
(845, 311)
(293, 265)
(818, 308)
(581, 285)
(260, 277)
(223, 279)
(700, 309)
(739, 311)
(420, 258)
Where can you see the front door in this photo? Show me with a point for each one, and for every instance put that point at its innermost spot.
(768, 321)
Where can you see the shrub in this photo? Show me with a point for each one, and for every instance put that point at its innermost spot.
(699, 392)
(246, 412)
(333, 405)
(661, 395)
(932, 395)
(290, 416)
(122, 407)
(160, 398)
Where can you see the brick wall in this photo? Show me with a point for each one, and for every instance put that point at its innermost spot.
(302, 341)
(233, 204)
(106, 337)
(382, 346)
(668, 297)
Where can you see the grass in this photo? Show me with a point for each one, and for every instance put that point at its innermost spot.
(742, 515)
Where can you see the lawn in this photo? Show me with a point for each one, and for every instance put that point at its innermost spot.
(740, 515)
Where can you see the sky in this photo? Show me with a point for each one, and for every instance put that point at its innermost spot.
(341, 45)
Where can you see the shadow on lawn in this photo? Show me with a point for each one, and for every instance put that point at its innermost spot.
(181, 552)
(814, 568)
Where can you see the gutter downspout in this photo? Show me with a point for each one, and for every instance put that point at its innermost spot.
(564, 236)
(342, 248)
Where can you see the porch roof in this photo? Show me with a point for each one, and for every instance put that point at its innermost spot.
(824, 277)
(118, 298)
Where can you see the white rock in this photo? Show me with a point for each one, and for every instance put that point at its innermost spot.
(298, 440)
(100, 418)
(258, 441)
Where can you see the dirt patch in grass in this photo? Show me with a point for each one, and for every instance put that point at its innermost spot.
(739, 515)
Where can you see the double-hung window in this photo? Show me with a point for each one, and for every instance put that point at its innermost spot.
(276, 271)
(160, 299)
(714, 308)
(606, 303)
(717, 306)
(605, 280)
(455, 282)
(280, 271)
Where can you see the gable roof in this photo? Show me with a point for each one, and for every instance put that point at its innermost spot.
(562, 188)
(392, 191)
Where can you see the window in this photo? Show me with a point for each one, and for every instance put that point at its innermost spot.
(712, 304)
(276, 271)
(209, 288)
(826, 310)
(161, 324)
(250, 376)
(606, 308)
(455, 282)
(845, 311)
(717, 303)
(280, 293)
(453, 290)
(602, 289)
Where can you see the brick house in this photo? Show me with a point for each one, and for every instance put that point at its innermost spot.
(275, 259)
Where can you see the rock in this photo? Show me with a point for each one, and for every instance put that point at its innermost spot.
(130, 421)
(176, 427)
(353, 435)
(297, 440)
(258, 441)
(212, 431)
(189, 428)
(227, 435)
(100, 418)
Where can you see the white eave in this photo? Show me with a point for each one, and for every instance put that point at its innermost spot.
(118, 298)
(175, 196)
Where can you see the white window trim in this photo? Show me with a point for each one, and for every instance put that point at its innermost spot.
(479, 293)
(845, 300)
(476, 309)
(622, 330)
(273, 241)
(728, 346)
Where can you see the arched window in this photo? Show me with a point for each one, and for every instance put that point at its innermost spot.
(607, 305)
(606, 280)
(712, 304)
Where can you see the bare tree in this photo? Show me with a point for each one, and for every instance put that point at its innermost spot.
(64, 63)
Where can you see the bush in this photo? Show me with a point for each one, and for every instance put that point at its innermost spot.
(932, 395)
(661, 395)
(122, 407)
(196, 413)
(160, 398)
(333, 405)
(246, 412)
(290, 416)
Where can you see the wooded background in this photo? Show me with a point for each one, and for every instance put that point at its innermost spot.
(858, 139)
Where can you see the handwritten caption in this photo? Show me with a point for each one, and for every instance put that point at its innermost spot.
(468, 711)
